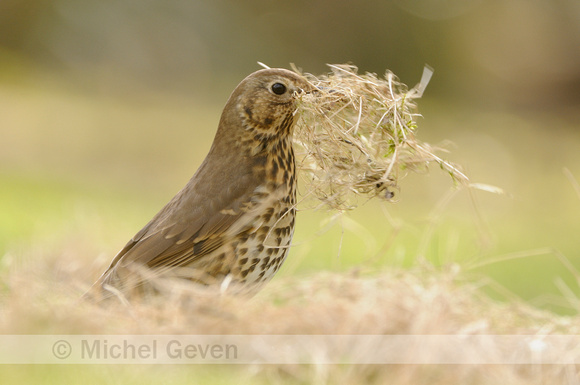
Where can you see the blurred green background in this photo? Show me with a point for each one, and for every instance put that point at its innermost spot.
(108, 107)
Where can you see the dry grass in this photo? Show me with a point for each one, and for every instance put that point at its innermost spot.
(357, 135)
(44, 299)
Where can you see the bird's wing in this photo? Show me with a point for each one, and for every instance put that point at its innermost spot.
(191, 226)
(176, 243)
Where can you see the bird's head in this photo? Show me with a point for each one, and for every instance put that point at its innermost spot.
(264, 103)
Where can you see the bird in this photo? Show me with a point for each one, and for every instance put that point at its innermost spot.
(232, 224)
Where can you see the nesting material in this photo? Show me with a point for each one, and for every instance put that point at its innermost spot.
(357, 133)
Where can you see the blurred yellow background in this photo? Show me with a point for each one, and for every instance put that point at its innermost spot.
(108, 107)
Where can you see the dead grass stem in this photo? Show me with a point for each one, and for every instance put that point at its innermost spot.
(357, 137)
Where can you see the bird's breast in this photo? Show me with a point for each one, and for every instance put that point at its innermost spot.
(262, 251)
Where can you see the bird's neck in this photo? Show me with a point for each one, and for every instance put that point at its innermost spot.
(281, 166)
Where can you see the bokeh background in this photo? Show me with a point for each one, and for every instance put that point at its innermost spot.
(108, 107)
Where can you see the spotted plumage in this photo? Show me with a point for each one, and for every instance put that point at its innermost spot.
(234, 220)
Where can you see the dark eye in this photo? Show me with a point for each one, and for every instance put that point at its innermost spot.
(278, 88)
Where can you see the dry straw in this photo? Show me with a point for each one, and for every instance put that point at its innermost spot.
(42, 298)
(357, 133)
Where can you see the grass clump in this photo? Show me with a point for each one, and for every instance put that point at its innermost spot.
(357, 133)
(43, 298)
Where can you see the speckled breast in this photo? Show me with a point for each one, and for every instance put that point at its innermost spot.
(257, 247)
(260, 256)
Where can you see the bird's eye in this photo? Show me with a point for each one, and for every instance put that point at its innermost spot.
(278, 88)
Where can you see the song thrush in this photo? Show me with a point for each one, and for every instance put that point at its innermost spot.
(234, 219)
